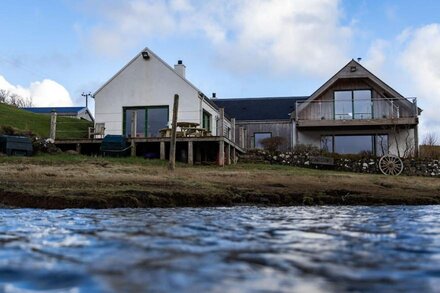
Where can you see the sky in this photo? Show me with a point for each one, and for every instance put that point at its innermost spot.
(54, 50)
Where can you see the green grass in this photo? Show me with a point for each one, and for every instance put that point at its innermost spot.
(38, 124)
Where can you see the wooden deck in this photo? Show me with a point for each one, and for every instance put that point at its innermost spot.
(225, 148)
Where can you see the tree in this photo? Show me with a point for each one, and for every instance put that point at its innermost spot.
(15, 100)
(430, 139)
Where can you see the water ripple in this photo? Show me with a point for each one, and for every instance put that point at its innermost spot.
(240, 249)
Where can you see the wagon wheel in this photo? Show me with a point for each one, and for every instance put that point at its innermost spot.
(391, 165)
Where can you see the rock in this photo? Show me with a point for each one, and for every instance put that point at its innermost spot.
(72, 152)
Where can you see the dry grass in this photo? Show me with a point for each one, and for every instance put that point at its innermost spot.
(77, 181)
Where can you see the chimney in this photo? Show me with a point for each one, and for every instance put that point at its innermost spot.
(180, 68)
(214, 95)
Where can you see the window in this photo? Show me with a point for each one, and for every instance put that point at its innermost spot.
(206, 121)
(356, 144)
(353, 144)
(139, 123)
(362, 104)
(355, 104)
(343, 105)
(150, 120)
(259, 136)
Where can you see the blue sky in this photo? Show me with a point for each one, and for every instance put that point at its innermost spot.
(55, 49)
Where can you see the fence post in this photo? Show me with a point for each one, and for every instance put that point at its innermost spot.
(172, 162)
(133, 133)
(53, 125)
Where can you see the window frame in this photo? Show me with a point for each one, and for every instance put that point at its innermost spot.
(209, 116)
(373, 136)
(145, 108)
(352, 103)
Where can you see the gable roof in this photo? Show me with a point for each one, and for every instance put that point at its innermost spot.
(59, 110)
(354, 69)
(269, 108)
(150, 52)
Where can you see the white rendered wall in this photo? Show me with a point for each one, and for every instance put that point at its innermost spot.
(146, 83)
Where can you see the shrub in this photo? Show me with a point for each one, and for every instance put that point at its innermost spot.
(307, 149)
(272, 144)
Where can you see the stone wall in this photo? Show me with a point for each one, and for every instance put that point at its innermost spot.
(350, 163)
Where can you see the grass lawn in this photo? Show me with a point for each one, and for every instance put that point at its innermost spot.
(75, 181)
(39, 124)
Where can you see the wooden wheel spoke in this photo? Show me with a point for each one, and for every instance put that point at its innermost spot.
(391, 165)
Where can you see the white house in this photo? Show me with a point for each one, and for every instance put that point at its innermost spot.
(147, 85)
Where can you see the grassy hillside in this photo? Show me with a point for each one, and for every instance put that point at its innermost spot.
(39, 124)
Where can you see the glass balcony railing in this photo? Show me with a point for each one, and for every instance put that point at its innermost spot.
(356, 109)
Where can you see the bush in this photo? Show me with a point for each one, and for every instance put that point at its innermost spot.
(272, 144)
(307, 149)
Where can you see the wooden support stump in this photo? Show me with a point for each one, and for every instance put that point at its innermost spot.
(221, 153)
(228, 154)
(162, 150)
(190, 153)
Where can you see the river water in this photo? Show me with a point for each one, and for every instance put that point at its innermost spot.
(239, 249)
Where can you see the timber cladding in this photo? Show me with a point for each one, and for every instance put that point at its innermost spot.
(276, 128)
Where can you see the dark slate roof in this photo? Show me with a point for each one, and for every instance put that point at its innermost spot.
(48, 110)
(273, 108)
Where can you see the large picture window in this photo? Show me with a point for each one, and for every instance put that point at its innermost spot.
(149, 121)
(356, 104)
(356, 144)
(259, 136)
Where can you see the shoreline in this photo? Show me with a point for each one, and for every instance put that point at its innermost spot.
(73, 181)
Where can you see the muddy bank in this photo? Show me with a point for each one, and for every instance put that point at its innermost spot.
(63, 182)
(166, 200)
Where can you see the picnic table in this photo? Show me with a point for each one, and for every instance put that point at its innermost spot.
(186, 129)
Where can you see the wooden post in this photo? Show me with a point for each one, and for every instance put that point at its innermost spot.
(234, 156)
(172, 163)
(221, 152)
(53, 125)
(241, 137)
(190, 153)
(233, 130)
(133, 133)
(228, 154)
(162, 150)
(221, 122)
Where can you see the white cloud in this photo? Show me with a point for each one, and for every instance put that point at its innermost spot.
(45, 93)
(377, 55)
(421, 59)
(300, 36)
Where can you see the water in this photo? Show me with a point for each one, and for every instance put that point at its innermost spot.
(294, 249)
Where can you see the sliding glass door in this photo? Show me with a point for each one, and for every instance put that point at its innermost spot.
(356, 104)
(149, 120)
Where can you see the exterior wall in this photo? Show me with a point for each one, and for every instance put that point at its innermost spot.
(147, 83)
(399, 142)
(277, 128)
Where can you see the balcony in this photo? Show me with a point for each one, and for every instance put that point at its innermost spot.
(358, 113)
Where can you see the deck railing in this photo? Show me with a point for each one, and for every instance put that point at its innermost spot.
(358, 109)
